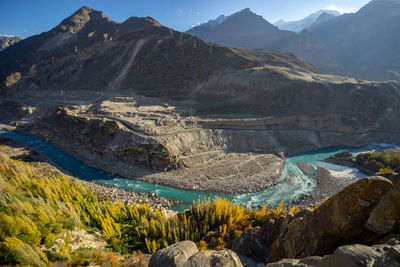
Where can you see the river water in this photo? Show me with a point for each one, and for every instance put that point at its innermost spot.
(290, 185)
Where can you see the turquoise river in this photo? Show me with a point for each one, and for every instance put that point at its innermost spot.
(286, 188)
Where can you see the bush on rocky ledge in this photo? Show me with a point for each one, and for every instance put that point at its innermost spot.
(386, 161)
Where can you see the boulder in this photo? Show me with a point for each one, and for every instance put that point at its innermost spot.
(173, 256)
(385, 218)
(352, 255)
(212, 258)
(338, 220)
(382, 255)
(250, 244)
(310, 261)
(186, 254)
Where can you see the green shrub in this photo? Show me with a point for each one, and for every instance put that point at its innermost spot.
(386, 161)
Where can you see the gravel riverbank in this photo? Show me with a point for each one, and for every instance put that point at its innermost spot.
(329, 183)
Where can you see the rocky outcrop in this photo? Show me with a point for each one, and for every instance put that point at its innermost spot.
(6, 41)
(188, 158)
(385, 217)
(339, 220)
(250, 244)
(386, 254)
(212, 258)
(104, 136)
(342, 231)
(155, 156)
(186, 254)
(12, 79)
(174, 256)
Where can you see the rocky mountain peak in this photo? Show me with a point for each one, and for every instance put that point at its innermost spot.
(246, 10)
(81, 18)
(142, 22)
(247, 14)
(246, 20)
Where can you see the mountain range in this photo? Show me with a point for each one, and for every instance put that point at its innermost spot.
(298, 26)
(88, 55)
(364, 45)
(367, 42)
(89, 51)
(247, 29)
(242, 29)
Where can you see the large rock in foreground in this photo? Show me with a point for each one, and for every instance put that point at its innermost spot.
(250, 244)
(174, 255)
(222, 258)
(186, 254)
(352, 256)
(339, 220)
(385, 218)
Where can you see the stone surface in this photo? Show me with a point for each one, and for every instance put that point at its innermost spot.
(250, 244)
(212, 258)
(6, 41)
(310, 261)
(394, 253)
(186, 254)
(12, 79)
(381, 255)
(339, 219)
(175, 255)
(385, 218)
(352, 255)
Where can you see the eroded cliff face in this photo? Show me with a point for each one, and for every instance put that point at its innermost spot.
(102, 136)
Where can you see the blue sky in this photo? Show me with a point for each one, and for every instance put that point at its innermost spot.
(27, 17)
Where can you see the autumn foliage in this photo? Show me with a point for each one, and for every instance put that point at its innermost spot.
(37, 207)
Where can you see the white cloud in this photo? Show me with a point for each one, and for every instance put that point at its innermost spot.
(7, 35)
(341, 9)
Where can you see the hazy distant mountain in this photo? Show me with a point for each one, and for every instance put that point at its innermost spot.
(324, 18)
(364, 45)
(246, 29)
(242, 29)
(298, 26)
(307, 46)
(367, 43)
(205, 26)
(6, 41)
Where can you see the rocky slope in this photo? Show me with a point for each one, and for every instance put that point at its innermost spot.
(107, 55)
(306, 45)
(6, 41)
(366, 42)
